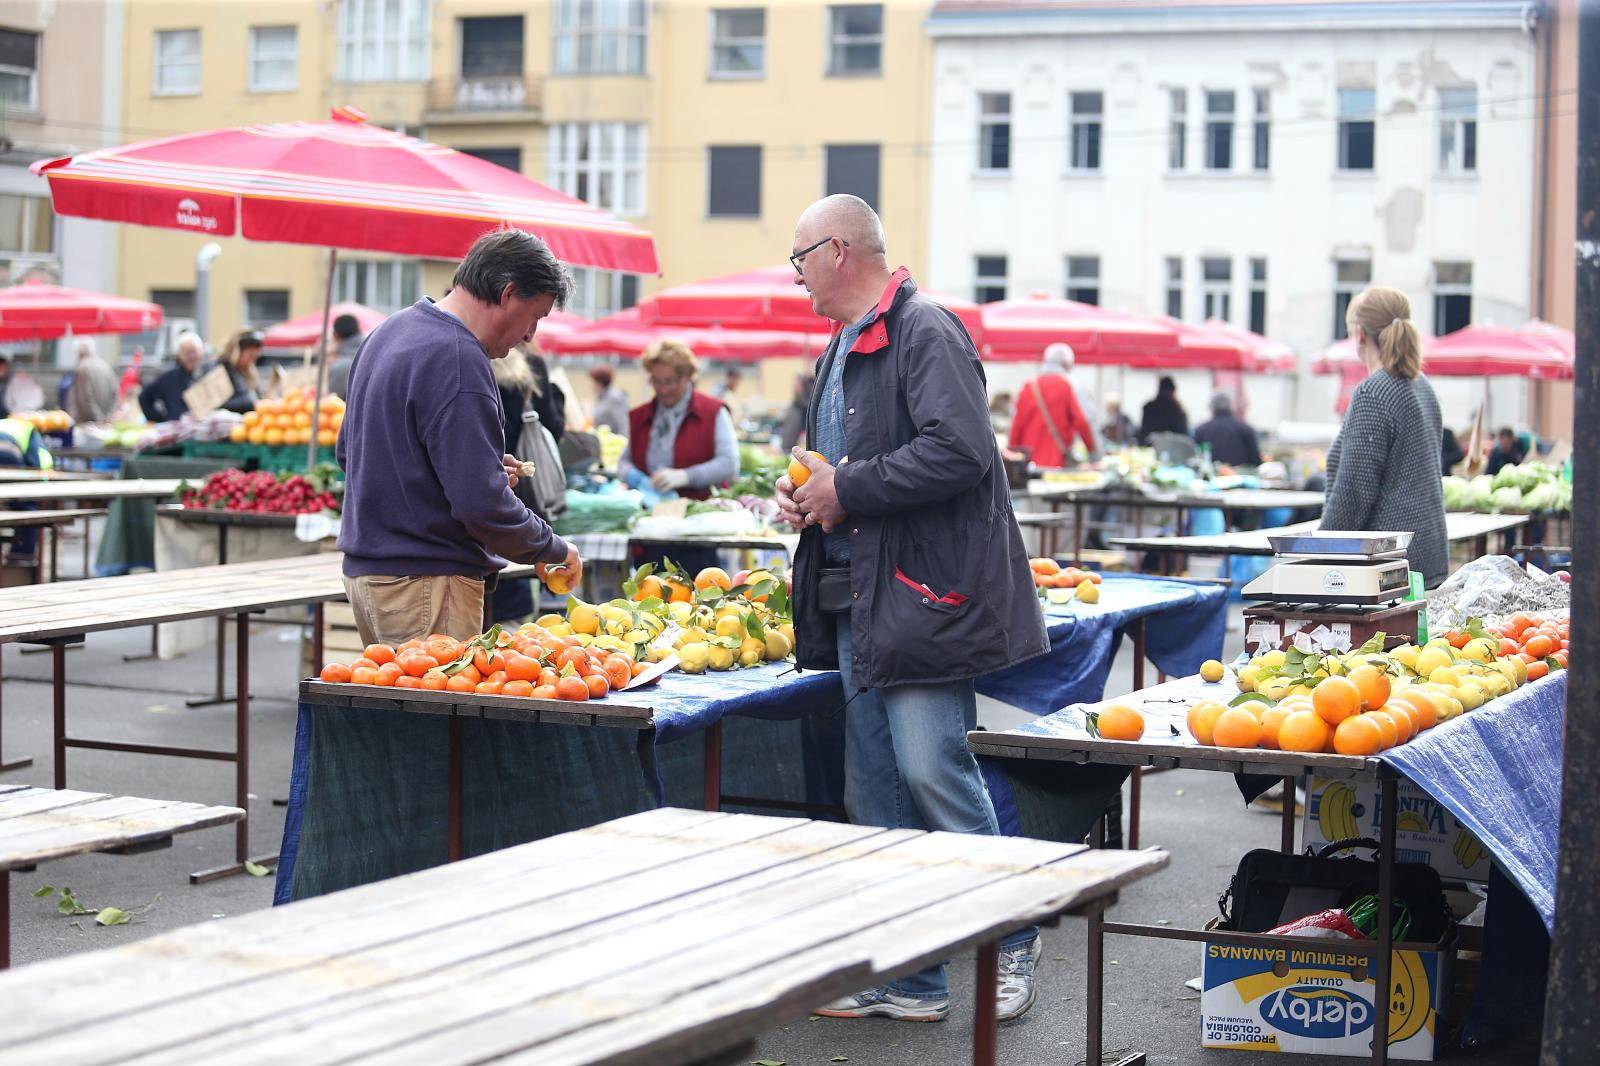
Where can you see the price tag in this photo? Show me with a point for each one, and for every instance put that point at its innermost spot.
(210, 392)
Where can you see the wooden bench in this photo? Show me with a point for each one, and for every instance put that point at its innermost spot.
(666, 937)
(41, 824)
(51, 522)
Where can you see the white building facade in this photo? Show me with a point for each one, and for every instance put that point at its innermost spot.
(1257, 162)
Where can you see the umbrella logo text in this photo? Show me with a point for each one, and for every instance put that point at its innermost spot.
(189, 215)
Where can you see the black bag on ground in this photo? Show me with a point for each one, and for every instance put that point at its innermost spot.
(1272, 888)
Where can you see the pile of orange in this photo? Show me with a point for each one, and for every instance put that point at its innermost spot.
(1354, 715)
(530, 662)
(1536, 641)
(1049, 574)
(54, 421)
(288, 421)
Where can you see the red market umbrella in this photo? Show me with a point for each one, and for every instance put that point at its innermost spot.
(1495, 351)
(764, 299)
(1264, 355)
(626, 334)
(306, 330)
(1020, 331)
(1556, 336)
(342, 183)
(38, 311)
(339, 184)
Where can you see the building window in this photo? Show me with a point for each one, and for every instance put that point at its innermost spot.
(1177, 127)
(382, 284)
(994, 131)
(383, 40)
(989, 281)
(600, 162)
(1452, 297)
(1357, 147)
(265, 307)
(855, 39)
(1087, 114)
(1458, 130)
(601, 36)
(1174, 287)
(853, 169)
(734, 190)
(739, 42)
(177, 63)
(1258, 296)
(27, 227)
(597, 293)
(1216, 288)
(1263, 129)
(19, 69)
(1350, 276)
(491, 47)
(1219, 130)
(274, 59)
(510, 158)
(1083, 279)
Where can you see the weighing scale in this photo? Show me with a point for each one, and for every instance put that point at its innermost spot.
(1332, 591)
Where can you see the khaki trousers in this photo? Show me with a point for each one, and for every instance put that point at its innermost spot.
(393, 610)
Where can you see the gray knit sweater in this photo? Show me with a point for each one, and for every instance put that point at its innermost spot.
(1383, 469)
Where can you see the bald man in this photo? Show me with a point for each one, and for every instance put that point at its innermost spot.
(910, 577)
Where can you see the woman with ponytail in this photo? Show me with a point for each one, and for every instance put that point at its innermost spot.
(1383, 467)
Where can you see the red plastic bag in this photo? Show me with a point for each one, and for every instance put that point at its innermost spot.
(1334, 923)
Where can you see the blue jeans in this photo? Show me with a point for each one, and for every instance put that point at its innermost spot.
(907, 766)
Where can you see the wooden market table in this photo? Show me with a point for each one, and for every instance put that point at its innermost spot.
(1459, 526)
(1170, 746)
(50, 522)
(23, 473)
(63, 491)
(668, 937)
(41, 824)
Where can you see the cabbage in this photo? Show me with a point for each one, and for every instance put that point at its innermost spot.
(1455, 493)
(1540, 498)
(1507, 499)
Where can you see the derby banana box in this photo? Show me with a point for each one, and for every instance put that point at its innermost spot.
(1315, 999)
(1424, 833)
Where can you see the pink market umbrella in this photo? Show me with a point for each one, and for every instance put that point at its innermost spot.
(1266, 356)
(1020, 331)
(306, 330)
(36, 311)
(626, 334)
(1496, 351)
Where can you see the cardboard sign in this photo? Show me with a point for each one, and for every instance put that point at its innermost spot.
(210, 392)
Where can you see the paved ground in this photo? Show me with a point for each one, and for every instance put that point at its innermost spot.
(1197, 816)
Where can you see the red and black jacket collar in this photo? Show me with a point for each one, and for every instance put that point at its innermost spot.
(874, 336)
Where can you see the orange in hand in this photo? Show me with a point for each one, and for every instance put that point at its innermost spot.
(799, 474)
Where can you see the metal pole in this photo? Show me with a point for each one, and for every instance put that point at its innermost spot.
(1571, 1024)
(241, 736)
(712, 778)
(985, 1024)
(322, 359)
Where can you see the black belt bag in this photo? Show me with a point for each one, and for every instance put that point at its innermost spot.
(833, 589)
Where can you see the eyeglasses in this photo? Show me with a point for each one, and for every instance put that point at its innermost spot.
(798, 259)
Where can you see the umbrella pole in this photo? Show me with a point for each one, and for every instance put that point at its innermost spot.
(322, 361)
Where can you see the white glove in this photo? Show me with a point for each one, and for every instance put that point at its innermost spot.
(669, 480)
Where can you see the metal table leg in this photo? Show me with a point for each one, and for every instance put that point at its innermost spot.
(1383, 978)
(985, 1022)
(219, 694)
(240, 759)
(5, 919)
(1286, 843)
(457, 777)
(58, 706)
(712, 800)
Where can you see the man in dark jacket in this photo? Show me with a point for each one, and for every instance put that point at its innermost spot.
(162, 400)
(910, 578)
(1232, 439)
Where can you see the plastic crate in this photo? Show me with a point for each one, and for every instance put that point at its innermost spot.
(277, 459)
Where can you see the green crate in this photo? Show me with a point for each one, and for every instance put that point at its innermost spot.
(278, 459)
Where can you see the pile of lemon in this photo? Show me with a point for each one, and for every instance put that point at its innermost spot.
(289, 421)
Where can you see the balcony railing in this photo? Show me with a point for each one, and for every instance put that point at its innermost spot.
(470, 95)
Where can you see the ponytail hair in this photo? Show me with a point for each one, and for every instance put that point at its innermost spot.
(1384, 315)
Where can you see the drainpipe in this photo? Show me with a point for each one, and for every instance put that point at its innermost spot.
(202, 289)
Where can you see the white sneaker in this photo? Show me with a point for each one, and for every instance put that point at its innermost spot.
(1016, 992)
(882, 1003)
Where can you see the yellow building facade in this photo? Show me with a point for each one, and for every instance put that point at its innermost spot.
(710, 124)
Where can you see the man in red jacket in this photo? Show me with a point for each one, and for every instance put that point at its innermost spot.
(1048, 415)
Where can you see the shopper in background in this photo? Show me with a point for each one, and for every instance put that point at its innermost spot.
(1507, 451)
(1450, 452)
(1382, 471)
(682, 440)
(5, 381)
(1164, 414)
(94, 386)
(240, 356)
(523, 378)
(347, 340)
(793, 432)
(1232, 439)
(610, 404)
(162, 400)
(1118, 428)
(1048, 417)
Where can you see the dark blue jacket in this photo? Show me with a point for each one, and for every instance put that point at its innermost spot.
(162, 400)
(940, 579)
(421, 441)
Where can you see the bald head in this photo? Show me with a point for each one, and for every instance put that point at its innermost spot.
(850, 218)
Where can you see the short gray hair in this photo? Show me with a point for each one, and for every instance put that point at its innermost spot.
(1221, 403)
(512, 257)
(187, 336)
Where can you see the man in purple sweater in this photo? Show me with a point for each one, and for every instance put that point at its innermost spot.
(428, 507)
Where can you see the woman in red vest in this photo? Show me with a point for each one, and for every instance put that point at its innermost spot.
(682, 441)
